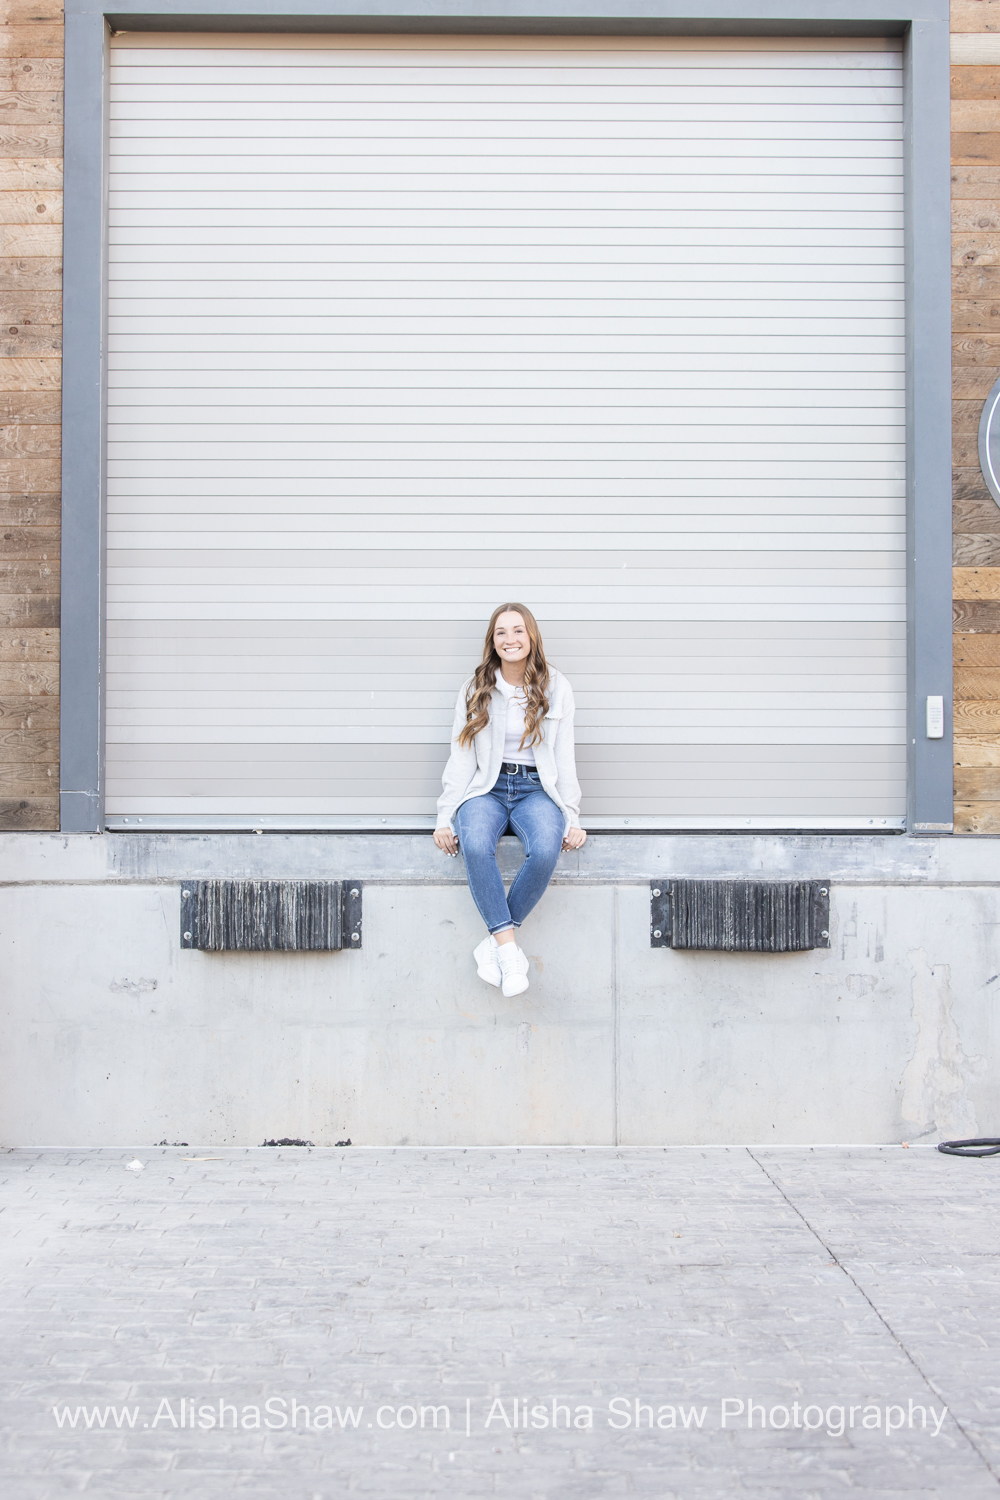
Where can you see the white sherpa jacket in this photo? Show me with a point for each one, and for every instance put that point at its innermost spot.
(472, 772)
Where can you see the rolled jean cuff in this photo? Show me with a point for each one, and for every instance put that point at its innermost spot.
(504, 927)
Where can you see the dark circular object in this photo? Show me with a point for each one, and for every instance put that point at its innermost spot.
(984, 1146)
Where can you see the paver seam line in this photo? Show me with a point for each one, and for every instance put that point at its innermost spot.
(882, 1319)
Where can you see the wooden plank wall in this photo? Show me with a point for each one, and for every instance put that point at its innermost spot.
(31, 67)
(975, 154)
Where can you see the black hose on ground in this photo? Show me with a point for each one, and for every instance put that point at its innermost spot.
(985, 1146)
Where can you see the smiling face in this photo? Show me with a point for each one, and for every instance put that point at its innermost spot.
(511, 639)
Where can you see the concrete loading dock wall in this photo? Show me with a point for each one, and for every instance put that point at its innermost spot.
(112, 1034)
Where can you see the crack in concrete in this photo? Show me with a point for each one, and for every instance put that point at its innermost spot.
(835, 1258)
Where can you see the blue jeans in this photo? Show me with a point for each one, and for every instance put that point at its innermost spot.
(518, 803)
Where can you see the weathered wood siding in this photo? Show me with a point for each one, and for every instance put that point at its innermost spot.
(975, 154)
(31, 71)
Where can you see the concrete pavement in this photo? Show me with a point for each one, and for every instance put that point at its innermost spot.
(533, 1324)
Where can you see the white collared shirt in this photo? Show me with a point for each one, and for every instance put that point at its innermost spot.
(517, 702)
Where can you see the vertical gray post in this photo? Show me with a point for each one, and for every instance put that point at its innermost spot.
(81, 748)
(928, 397)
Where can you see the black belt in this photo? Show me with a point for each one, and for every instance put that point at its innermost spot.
(511, 768)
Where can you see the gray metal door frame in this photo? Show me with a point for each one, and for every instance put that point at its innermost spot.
(925, 34)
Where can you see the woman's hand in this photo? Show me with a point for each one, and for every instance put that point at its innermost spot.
(575, 838)
(446, 841)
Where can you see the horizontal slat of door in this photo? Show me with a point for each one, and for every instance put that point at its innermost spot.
(401, 327)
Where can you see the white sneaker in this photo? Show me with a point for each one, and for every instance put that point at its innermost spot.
(487, 962)
(514, 968)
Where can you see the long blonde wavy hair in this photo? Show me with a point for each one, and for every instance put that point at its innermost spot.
(536, 682)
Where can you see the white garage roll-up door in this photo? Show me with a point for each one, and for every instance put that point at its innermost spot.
(403, 327)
